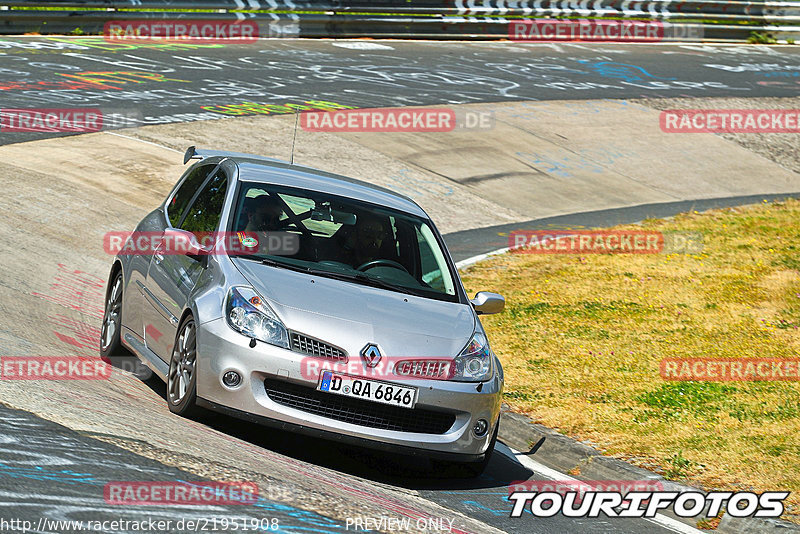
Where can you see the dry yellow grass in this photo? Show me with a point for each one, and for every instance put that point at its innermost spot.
(582, 337)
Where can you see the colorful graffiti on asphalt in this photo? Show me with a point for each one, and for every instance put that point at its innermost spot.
(162, 83)
(285, 72)
(90, 80)
(55, 44)
(255, 108)
(112, 79)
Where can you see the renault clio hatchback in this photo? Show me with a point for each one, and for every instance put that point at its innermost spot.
(309, 301)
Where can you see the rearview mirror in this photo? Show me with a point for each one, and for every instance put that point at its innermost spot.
(486, 303)
(344, 217)
(329, 214)
(322, 213)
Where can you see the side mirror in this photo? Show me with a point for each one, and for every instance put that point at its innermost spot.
(183, 242)
(486, 303)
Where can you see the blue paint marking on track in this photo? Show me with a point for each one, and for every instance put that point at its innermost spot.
(621, 71)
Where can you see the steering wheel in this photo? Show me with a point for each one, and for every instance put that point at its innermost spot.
(377, 263)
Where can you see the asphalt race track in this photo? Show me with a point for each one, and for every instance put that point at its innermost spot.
(175, 83)
(120, 429)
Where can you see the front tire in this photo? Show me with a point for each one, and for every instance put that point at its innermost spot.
(182, 377)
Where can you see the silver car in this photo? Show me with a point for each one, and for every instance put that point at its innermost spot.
(310, 302)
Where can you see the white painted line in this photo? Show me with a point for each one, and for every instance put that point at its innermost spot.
(552, 474)
(143, 141)
(480, 257)
(533, 465)
(674, 525)
(363, 45)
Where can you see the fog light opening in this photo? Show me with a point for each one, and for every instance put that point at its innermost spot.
(231, 379)
(480, 428)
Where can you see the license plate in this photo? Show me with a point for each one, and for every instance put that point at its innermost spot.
(371, 390)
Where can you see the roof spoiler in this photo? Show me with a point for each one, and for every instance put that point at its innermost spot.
(191, 153)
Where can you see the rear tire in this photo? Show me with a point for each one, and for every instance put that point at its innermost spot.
(467, 469)
(182, 377)
(112, 351)
(110, 344)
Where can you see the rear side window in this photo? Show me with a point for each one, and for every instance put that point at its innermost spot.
(205, 212)
(182, 197)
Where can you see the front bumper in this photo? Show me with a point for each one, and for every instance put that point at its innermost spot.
(221, 349)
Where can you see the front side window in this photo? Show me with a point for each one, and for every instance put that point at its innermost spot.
(434, 264)
(344, 238)
(206, 210)
(180, 200)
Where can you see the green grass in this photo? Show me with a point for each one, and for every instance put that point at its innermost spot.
(582, 338)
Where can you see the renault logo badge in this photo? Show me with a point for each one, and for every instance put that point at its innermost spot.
(371, 355)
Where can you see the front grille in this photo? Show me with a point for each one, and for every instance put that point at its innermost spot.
(315, 347)
(436, 369)
(357, 411)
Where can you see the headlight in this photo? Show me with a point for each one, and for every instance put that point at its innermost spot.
(248, 314)
(475, 363)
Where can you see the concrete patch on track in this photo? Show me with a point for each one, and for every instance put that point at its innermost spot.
(553, 158)
(118, 169)
(142, 173)
(272, 136)
(539, 159)
(782, 148)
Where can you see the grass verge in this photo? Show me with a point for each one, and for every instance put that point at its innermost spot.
(582, 337)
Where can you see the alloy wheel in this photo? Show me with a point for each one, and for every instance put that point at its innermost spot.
(182, 365)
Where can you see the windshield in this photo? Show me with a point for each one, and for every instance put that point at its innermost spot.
(346, 239)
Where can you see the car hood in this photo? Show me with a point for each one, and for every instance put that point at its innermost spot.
(350, 315)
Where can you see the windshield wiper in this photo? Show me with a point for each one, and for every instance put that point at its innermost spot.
(280, 264)
(377, 282)
(358, 277)
(370, 281)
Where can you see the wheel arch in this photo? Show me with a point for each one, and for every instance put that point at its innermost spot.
(116, 267)
(186, 313)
